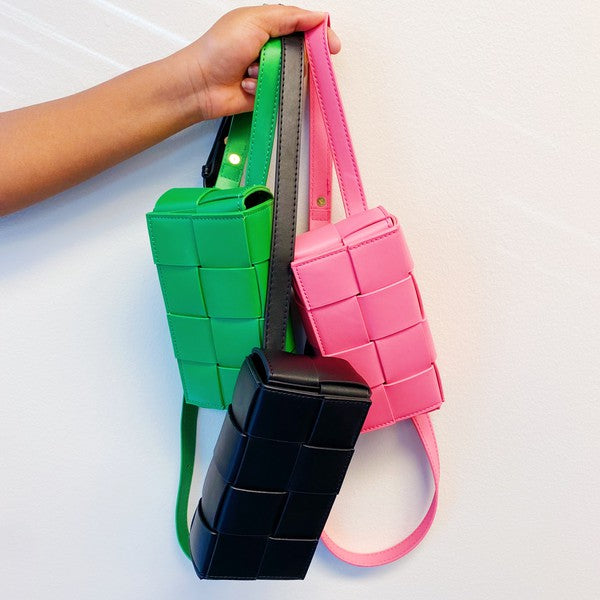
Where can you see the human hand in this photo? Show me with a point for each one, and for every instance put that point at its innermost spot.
(220, 67)
(54, 145)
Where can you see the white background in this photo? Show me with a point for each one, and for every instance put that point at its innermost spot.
(478, 124)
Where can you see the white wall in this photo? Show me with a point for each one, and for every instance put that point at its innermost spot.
(477, 123)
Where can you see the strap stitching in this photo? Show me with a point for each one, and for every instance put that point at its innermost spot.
(341, 110)
(344, 125)
(258, 101)
(276, 204)
(276, 219)
(292, 225)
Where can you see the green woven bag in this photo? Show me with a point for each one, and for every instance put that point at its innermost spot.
(211, 247)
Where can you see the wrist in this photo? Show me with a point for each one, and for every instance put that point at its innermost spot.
(183, 90)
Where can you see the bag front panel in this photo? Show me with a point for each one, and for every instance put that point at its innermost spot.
(212, 258)
(358, 300)
(278, 464)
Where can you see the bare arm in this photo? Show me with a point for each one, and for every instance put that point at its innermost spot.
(52, 146)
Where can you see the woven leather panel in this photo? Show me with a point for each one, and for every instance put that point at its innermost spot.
(359, 301)
(212, 256)
(278, 464)
(258, 556)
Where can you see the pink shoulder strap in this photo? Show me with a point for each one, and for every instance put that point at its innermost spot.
(319, 187)
(332, 112)
(329, 130)
(424, 428)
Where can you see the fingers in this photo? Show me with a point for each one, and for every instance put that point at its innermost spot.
(249, 85)
(278, 20)
(335, 44)
(249, 82)
(288, 19)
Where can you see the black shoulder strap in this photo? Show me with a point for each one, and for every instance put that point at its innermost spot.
(285, 193)
(210, 170)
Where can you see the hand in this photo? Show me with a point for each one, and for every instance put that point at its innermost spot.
(51, 146)
(221, 67)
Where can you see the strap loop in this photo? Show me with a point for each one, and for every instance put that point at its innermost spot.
(332, 110)
(254, 132)
(424, 428)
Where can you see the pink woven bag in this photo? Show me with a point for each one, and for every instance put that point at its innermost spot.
(356, 292)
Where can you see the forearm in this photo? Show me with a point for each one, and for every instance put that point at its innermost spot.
(52, 146)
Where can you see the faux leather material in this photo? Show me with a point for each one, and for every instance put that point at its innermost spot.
(354, 280)
(278, 464)
(212, 260)
(320, 165)
(260, 124)
(266, 107)
(236, 146)
(286, 192)
(211, 247)
(358, 298)
(296, 398)
(289, 434)
(359, 304)
(424, 428)
(260, 556)
(231, 338)
(189, 421)
(328, 96)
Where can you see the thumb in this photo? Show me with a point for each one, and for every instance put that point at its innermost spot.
(278, 20)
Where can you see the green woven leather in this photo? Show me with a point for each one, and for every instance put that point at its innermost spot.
(211, 247)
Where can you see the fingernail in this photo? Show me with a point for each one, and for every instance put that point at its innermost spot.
(253, 71)
(249, 85)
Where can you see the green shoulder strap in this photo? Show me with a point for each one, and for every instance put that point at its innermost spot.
(250, 135)
(189, 419)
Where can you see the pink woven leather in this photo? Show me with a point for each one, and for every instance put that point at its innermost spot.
(356, 292)
(359, 301)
